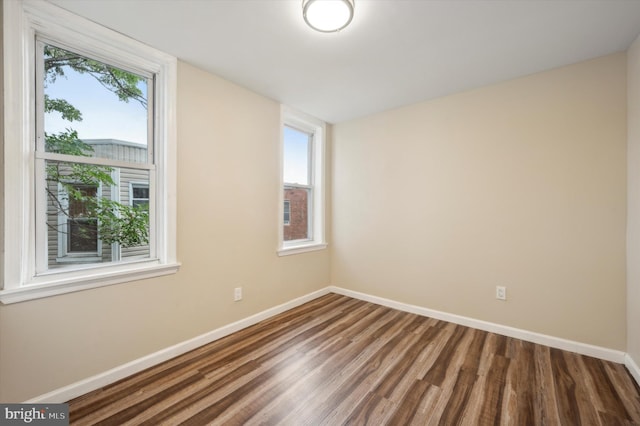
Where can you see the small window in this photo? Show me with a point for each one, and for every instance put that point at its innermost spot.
(140, 195)
(287, 212)
(81, 227)
(302, 183)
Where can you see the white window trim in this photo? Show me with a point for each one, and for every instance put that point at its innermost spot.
(22, 20)
(299, 120)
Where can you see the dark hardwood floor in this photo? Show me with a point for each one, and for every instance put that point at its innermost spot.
(338, 360)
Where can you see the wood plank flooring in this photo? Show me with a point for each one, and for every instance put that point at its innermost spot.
(342, 361)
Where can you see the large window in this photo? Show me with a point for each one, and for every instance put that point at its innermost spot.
(88, 110)
(90, 155)
(302, 225)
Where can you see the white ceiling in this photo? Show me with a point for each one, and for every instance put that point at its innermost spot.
(394, 53)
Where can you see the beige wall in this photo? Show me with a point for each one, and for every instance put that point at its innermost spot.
(1, 150)
(227, 237)
(521, 184)
(633, 194)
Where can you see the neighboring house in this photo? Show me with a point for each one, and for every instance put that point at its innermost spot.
(77, 241)
(296, 208)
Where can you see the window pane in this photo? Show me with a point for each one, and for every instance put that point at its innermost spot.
(83, 235)
(297, 147)
(91, 218)
(298, 200)
(77, 206)
(140, 192)
(92, 109)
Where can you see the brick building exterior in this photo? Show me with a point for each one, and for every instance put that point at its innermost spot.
(296, 225)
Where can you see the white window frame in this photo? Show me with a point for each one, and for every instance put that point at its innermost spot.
(298, 120)
(22, 21)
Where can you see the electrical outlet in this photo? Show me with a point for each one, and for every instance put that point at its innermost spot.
(237, 294)
(501, 293)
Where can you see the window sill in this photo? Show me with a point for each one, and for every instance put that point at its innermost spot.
(54, 287)
(79, 259)
(301, 248)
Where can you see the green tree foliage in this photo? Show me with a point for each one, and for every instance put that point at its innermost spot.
(114, 222)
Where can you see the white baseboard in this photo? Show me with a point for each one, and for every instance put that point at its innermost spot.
(100, 380)
(103, 379)
(529, 336)
(632, 367)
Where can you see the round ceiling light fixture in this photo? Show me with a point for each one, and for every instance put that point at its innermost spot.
(327, 16)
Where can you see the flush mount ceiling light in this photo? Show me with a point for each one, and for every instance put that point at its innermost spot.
(327, 16)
